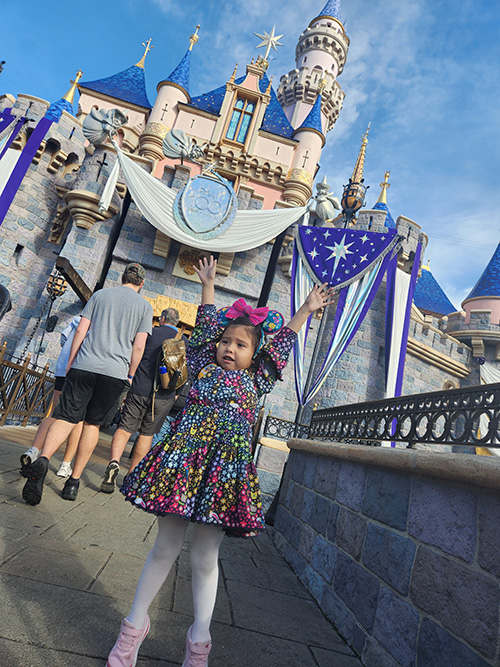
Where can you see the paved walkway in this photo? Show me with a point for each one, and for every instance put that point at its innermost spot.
(68, 571)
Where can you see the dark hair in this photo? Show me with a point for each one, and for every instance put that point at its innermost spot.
(171, 316)
(255, 329)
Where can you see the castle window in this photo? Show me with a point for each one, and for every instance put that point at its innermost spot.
(240, 120)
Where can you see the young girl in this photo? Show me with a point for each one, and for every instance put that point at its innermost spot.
(204, 472)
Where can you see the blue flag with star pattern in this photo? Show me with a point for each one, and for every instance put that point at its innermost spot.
(341, 256)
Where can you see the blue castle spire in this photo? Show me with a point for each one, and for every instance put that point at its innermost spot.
(313, 120)
(332, 8)
(430, 297)
(128, 86)
(489, 282)
(180, 75)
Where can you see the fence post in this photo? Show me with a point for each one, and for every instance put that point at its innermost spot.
(22, 375)
(29, 407)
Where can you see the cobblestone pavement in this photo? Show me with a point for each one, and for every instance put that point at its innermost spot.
(68, 571)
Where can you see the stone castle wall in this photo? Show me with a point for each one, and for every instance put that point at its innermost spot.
(399, 548)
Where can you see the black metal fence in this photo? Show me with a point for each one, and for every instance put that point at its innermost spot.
(282, 429)
(468, 416)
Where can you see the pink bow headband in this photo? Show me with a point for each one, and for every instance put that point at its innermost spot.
(271, 321)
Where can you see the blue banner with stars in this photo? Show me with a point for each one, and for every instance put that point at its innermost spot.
(341, 256)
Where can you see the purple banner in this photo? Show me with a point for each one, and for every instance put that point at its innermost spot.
(341, 256)
(22, 165)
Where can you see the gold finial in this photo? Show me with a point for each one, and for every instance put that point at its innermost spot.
(428, 267)
(194, 38)
(70, 95)
(233, 75)
(268, 91)
(357, 173)
(385, 186)
(143, 59)
(321, 86)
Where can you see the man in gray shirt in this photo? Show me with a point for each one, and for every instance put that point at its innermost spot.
(106, 350)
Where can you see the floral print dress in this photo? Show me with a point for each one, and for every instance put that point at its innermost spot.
(203, 471)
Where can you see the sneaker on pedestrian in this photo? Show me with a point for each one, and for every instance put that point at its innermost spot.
(196, 654)
(70, 489)
(28, 458)
(110, 475)
(124, 652)
(35, 473)
(65, 469)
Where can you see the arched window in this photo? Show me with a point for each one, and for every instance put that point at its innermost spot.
(243, 111)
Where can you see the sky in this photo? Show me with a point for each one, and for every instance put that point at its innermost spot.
(423, 72)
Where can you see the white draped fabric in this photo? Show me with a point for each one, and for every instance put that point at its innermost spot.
(155, 200)
(402, 287)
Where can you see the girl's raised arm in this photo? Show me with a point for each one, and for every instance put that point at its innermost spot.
(319, 297)
(206, 273)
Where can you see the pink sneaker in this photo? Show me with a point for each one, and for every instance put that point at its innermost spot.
(196, 654)
(124, 652)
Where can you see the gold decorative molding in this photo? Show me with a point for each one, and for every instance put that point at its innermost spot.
(84, 208)
(187, 256)
(56, 160)
(300, 175)
(162, 244)
(187, 311)
(437, 359)
(59, 224)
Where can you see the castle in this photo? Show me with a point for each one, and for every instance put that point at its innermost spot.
(266, 139)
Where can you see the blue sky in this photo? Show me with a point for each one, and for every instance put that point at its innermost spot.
(424, 72)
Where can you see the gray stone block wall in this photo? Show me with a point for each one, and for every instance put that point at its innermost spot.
(405, 566)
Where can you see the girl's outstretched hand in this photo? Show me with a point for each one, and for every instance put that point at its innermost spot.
(319, 297)
(206, 270)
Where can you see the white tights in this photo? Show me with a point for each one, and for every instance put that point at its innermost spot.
(204, 572)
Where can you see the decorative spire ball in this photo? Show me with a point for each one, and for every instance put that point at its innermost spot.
(143, 59)
(385, 185)
(194, 38)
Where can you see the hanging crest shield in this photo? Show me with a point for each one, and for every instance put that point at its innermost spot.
(206, 206)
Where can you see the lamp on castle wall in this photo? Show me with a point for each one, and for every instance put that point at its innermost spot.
(56, 286)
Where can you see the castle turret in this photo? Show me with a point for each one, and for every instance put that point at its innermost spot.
(485, 295)
(429, 296)
(171, 91)
(320, 54)
(300, 177)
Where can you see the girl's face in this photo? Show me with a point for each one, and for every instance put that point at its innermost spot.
(236, 349)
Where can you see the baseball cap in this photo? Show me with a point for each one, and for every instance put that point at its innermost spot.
(138, 269)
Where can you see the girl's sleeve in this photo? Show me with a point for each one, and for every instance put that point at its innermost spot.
(203, 341)
(274, 358)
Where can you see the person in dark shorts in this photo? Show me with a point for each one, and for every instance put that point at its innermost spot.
(107, 348)
(140, 411)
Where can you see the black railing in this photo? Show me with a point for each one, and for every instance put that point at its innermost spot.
(467, 416)
(282, 429)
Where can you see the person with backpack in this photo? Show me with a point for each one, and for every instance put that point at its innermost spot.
(148, 403)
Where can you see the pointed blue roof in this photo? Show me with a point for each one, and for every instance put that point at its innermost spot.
(128, 86)
(489, 282)
(429, 296)
(313, 119)
(180, 75)
(389, 220)
(332, 8)
(55, 110)
(274, 120)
